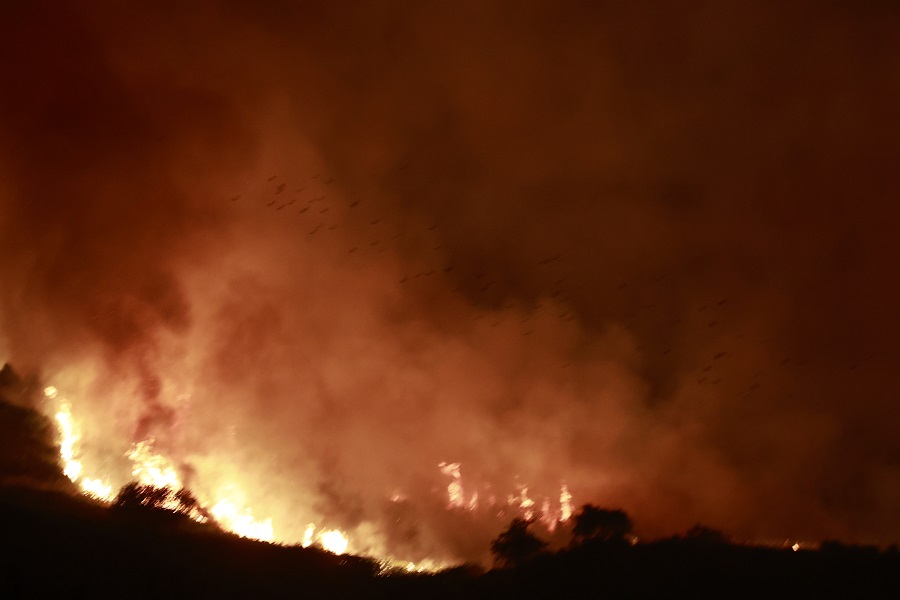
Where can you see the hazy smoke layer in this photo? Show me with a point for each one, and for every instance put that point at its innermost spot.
(315, 249)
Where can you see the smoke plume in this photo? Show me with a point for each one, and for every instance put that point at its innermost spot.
(314, 250)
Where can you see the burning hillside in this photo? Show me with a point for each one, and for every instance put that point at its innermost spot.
(390, 276)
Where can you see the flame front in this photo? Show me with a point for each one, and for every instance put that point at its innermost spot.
(520, 502)
(241, 521)
(150, 467)
(69, 436)
(332, 540)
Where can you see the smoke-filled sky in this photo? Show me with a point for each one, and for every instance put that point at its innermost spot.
(314, 249)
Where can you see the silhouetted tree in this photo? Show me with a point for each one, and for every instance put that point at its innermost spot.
(134, 495)
(29, 455)
(187, 501)
(700, 534)
(516, 545)
(595, 523)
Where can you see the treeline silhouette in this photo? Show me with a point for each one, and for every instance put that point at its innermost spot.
(149, 543)
(604, 559)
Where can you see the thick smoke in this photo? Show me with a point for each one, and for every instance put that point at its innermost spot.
(316, 249)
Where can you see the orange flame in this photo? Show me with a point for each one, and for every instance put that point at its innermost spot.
(68, 450)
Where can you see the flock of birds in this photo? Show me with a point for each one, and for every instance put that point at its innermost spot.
(313, 200)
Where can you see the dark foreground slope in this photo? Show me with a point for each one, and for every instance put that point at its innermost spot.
(54, 543)
(69, 546)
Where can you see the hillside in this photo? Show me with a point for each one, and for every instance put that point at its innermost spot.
(58, 542)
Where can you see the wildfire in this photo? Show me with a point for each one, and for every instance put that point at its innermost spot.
(526, 504)
(389, 566)
(332, 540)
(69, 436)
(150, 467)
(154, 469)
(242, 522)
(521, 502)
(565, 503)
(454, 488)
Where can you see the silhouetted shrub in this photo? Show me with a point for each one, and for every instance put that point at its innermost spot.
(594, 523)
(700, 534)
(838, 547)
(516, 545)
(133, 495)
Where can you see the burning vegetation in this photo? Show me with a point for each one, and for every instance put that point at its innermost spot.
(158, 533)
(416, 282)
(157, 485)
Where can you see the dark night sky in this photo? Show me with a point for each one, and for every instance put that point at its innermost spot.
(646, 250)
